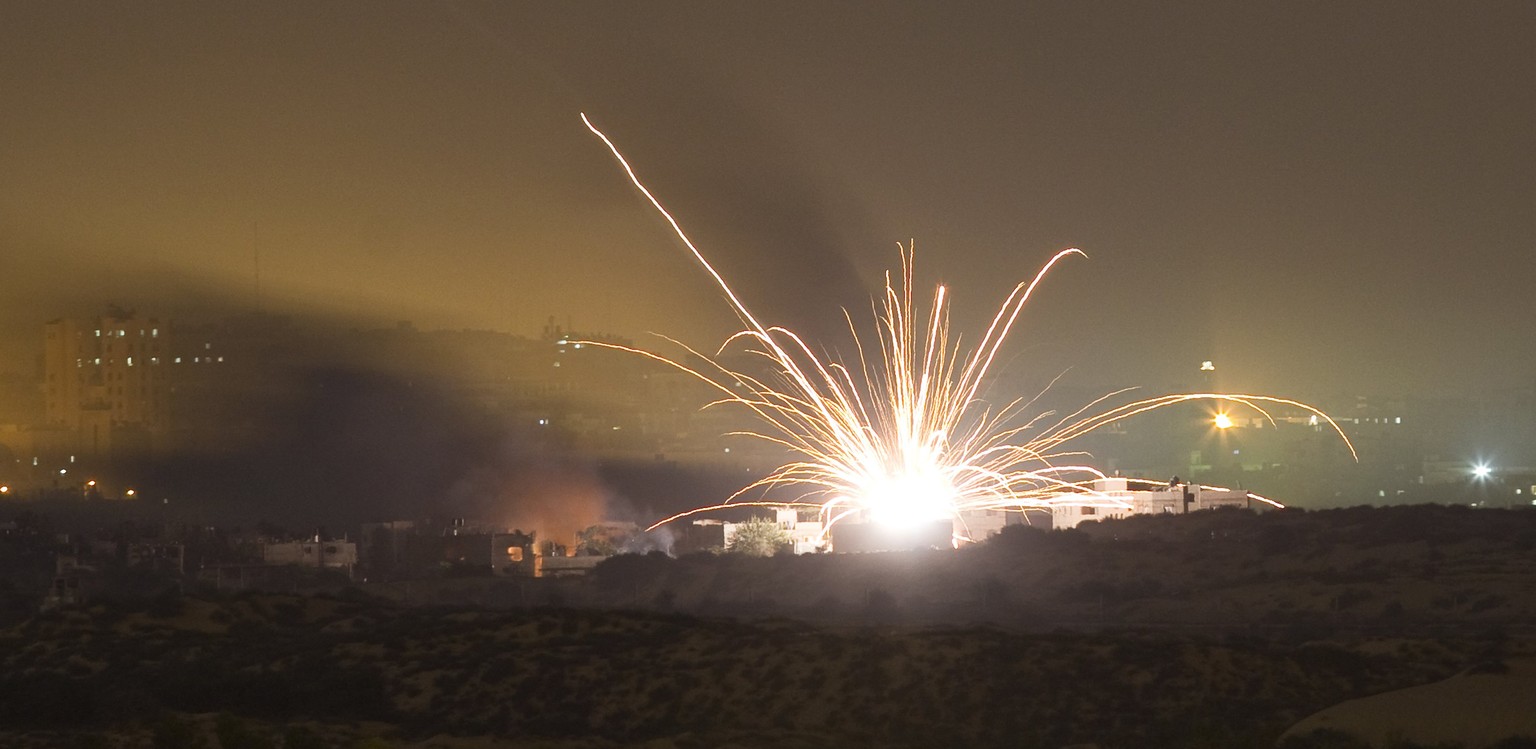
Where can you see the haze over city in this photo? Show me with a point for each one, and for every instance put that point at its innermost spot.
(1323, 199)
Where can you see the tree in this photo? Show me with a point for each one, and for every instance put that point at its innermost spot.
(595, 540)
(758, 537)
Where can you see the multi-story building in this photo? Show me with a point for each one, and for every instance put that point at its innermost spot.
(105, 378)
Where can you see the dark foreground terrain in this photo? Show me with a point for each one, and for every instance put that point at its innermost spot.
(339, 671)
(1213, 631)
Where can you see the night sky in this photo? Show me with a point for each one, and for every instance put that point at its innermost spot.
(1322, 197)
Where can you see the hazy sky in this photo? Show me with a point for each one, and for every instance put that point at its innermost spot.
(1322, 197)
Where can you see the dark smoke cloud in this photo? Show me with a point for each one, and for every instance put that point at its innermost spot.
(720, 161)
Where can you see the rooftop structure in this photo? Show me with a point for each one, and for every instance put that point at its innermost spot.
(1113, 498)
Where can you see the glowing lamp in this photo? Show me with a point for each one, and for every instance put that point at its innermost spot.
(1223, 421)
(1481, 471)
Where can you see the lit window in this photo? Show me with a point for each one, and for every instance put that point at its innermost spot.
(154, 332)
(207, 346)
(130, 361)
(1397, 420)
(178, 360)
(98, 333)
(221, 358)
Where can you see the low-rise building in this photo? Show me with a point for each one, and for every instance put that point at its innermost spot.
(1113, 498)
(311, 552)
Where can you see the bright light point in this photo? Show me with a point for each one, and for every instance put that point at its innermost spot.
(1223, 421)
(1481, 471)
(130, 493)
(908, 501)
(1207, 366)
(92, 482)
(5, 490)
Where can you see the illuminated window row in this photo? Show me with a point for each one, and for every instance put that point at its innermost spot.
(123, 332)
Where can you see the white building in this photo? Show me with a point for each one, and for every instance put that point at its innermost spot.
(804, 535)
(1113, 498)
(979, 525)
(311, 553)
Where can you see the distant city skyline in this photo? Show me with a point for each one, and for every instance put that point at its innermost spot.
(264, 414)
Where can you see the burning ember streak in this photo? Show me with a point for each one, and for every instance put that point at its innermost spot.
(902, 434)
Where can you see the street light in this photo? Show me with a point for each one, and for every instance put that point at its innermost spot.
(1223, 421)
(1481, 471)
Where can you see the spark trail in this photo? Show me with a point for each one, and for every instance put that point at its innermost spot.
(902, 433)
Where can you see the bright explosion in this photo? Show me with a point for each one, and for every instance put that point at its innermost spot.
(903, 435)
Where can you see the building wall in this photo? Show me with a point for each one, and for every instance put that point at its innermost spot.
(311, 553)
(1112, 499)
(106, 375)
(979, 525)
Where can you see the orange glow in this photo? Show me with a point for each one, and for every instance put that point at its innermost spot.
(1223, 421)
(903, 432)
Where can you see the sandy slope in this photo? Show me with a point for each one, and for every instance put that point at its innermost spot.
(1470, 708)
